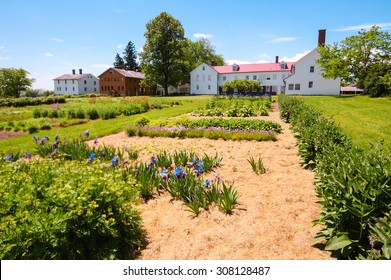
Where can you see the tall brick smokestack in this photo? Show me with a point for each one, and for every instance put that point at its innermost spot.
(321, 37)
(277, 58)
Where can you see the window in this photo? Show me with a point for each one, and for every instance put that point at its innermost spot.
(66, 89)
(198, 87)
(101, 88)
(203, 68)
(297, 86)
(254, 77)
(73, 82)
(58, 81)
(310, 84)
(85, 89)
(94, 83)
(268, 77)
(85, 82)
(198, 78)
(73, 88)
(312, 69)
(209, 77)
(94, 89)
(224, 78)
(247, 77)
(209, 87)
(65, 81)
(290, 87)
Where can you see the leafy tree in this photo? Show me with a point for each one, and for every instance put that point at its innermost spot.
(14, 81)
(130, 57)
(118, 61)
(163, 52)
(241, 85)
(378, 80)
(353, 57)
(198, 52)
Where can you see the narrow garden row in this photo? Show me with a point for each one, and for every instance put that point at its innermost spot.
(353, 185)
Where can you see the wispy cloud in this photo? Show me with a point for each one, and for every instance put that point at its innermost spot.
(101, 66)
(120, 46)
(237, 61)
(2, 58)
(283, 39)
(383, 25)
(202, 36)
(48, 54)
(294, 58)
(2, 48)
(58, 40)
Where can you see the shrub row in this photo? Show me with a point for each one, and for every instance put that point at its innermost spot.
(26, 101)
(29, 126)
(210, 133)
(91, 113)
(354, 186)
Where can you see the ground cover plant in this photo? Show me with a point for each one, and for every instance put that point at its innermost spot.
(364, 119)
(54, 209)
(236, 106)
(353, 184)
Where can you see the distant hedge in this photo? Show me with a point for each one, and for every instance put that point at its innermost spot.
(28, 101)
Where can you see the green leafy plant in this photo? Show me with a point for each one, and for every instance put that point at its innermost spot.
(257, 166)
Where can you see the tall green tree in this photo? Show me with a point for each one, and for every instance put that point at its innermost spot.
(130, 57)
(118, 61)
(351, 59)
(162, 58)
(198, 52)
(14, 81)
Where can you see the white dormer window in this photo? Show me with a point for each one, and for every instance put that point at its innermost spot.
(283, 65)
(203, 68)
(235, 67)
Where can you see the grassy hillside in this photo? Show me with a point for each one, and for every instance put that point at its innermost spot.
(366, 120)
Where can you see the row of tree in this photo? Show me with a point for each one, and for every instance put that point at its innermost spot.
(168, 56)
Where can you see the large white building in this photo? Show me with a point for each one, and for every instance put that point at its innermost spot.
(306, 77)
(206, 79)
(295, 78)
(76, 83)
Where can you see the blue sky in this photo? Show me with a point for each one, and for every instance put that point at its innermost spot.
(50, 38)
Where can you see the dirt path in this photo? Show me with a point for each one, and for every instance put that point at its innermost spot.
(272, 221)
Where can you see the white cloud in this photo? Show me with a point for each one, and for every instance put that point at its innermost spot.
(202, 36)
(294, 58)
(120, 46)
(283, 39)
(2, 58)
(384, 25)
(58, 40)
(48, 54)
(237, 61)
(101, 66)
(2, 47)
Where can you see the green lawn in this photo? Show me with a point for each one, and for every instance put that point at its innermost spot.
(366, 120)
(103, 127)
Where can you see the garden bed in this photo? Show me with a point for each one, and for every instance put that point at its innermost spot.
(271, 221)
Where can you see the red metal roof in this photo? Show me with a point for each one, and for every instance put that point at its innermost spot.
(257, 67)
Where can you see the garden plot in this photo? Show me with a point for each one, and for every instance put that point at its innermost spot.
(271, 221)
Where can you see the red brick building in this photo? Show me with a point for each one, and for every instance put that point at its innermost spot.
(120, 82)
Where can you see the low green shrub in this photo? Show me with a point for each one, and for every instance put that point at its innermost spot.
(66, 210)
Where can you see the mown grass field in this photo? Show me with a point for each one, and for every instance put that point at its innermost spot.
(100, 127)
(366, 120)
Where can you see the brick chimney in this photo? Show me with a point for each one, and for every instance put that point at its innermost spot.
(73, 71)
(321, 37)
(80, 71)
(277, 58)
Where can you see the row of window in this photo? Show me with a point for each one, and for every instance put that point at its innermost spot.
(297, 86)
(267, 88)
(112, 79)
(73, 82)
(112, 88)
(73, 89)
